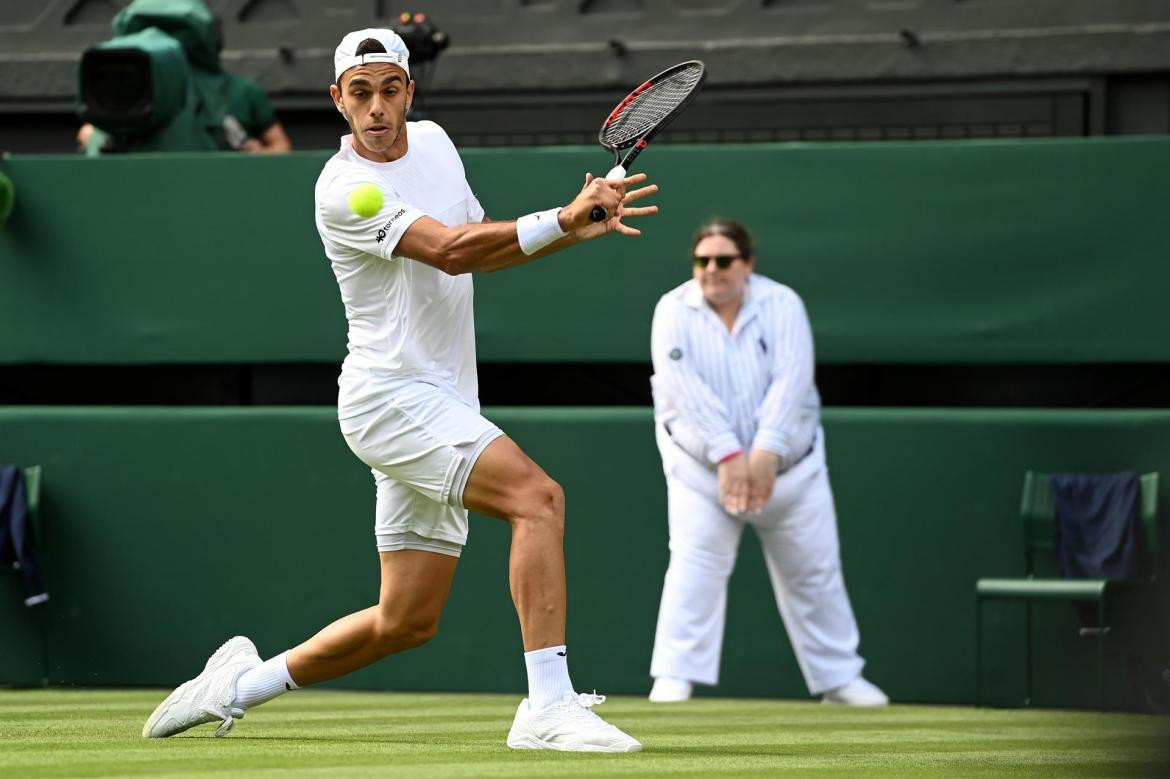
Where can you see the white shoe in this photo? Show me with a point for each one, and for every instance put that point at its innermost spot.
(209, 696)
(668, 689)
(568, 726)
(858, 692)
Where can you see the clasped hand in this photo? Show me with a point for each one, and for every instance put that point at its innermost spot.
(746, 482)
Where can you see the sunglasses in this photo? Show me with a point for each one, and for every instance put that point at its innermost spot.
(722, 260)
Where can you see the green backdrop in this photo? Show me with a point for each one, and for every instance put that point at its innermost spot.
(168, 530)
(1036, 251)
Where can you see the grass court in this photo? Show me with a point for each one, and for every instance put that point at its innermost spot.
(68, 733)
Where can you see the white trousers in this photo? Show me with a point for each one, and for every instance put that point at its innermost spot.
(798, 533)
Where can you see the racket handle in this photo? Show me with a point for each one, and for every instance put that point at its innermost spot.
(616, 173)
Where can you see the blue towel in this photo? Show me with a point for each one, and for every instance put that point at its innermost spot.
(16, 543)
(1098, 533)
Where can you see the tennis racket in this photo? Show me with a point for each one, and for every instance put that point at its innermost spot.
(644, 112)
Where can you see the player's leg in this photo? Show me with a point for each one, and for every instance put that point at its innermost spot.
(798, 533)
(419, 543)
(688, 640)
(414, 590)
(421, 435)
(507, 484)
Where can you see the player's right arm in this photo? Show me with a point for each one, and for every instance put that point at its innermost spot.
(491, 246)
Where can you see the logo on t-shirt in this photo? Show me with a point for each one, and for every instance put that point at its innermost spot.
(386, 227)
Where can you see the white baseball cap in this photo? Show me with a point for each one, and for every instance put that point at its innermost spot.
(345, 57)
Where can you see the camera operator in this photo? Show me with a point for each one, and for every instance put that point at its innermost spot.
(221, 111)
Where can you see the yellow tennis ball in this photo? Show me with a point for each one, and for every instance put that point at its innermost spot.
(365, 200)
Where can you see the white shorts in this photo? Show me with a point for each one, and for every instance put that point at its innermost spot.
(421, 443)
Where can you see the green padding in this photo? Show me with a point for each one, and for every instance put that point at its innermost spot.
(168, 530)
(7, 198)
(1041, 589)
(934, 252)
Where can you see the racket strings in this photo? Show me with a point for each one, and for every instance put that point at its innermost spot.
(650, 106)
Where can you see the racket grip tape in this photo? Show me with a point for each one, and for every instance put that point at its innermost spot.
(616, 173)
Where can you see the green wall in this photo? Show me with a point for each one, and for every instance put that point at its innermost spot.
(167, 530)
(1036, 251)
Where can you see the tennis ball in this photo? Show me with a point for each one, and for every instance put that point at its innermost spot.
(365, 200)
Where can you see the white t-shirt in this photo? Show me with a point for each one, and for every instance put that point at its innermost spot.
(407, 320)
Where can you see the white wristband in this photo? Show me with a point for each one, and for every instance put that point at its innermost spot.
(537, 230)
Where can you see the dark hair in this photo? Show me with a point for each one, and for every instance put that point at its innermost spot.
(729, 228)
(369, 46)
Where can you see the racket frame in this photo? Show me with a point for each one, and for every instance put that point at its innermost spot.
(635, 146)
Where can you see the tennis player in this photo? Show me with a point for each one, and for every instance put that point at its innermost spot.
(403, 231)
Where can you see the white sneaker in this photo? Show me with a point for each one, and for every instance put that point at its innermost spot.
(568, 726)
(209, 696)
(858, 692)
(668, 689)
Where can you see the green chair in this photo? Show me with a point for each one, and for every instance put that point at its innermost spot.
(1038, 516)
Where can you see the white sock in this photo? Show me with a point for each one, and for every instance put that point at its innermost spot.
(264, 682)
(548, 676)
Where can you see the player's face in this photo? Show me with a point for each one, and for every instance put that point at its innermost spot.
(721, 286)
(374, 100)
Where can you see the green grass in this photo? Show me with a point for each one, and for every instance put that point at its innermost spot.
(332, 734)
